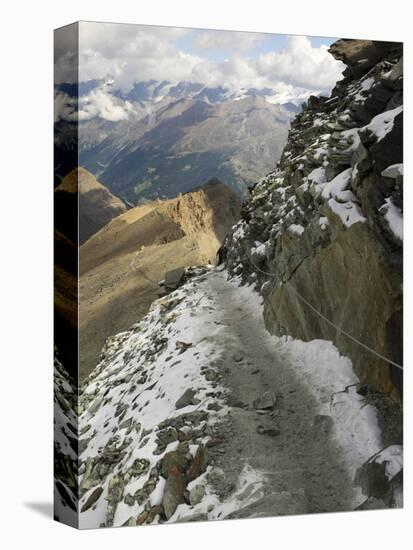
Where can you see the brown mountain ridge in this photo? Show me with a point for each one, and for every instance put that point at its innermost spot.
(122, 264)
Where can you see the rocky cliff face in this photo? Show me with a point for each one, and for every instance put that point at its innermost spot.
(325, 229)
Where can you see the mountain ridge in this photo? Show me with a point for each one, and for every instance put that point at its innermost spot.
(122, 264)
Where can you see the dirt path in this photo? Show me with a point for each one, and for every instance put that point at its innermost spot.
(198, 378)
(292, 443)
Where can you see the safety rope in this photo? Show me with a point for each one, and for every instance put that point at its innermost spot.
(315, 310)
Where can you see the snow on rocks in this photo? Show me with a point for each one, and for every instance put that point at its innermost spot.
(382, 123)
(394, 217)
(296, 229)
(65, 447)
(337, 184)
(330, 154)
(348, 212)
(393, 171)
(148, 412)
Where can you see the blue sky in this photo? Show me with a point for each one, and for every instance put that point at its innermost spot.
(270, 43)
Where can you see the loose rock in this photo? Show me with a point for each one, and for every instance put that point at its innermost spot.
(266, 401)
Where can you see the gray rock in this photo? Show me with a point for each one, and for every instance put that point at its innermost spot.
(187, 398)
(175, 460)
(196, 494)
(266, 401)
(214, 406)
(373, 504)
(372, 479)
(92, 499)
(183, 346)
(174, 492)
(211, 375)
(235, 402)
(272, 432)
(129, 500)
(173, 278)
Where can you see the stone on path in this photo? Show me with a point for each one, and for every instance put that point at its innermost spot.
(266, 401)
(272, 432)
(173, 278)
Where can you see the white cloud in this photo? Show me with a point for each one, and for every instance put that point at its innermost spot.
(98, 103)
(301, 64)
(65, 107)
(130, 53)
(227, 40)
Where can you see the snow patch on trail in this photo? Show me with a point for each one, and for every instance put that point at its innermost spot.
(330, 377)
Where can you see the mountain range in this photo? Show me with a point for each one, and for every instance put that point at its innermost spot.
(160, 139)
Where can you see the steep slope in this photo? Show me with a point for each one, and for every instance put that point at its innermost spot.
(97, 205)
(321, 236)
(121, 266)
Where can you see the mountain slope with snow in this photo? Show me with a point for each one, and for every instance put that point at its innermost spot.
(325, 228)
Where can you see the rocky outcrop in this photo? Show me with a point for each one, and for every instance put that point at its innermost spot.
(324, 230)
